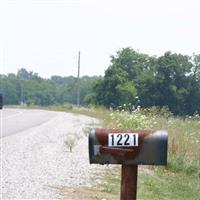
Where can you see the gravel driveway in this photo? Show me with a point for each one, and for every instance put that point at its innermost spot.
(37, 161)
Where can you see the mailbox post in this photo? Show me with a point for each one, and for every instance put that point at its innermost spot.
(129, 182)
(129, 148)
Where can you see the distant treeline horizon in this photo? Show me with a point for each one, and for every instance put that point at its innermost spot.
(29, 88)
(133, 79)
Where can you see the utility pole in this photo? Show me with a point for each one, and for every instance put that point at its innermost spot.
(78, 80)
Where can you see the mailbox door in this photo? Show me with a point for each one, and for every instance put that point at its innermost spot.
(149, 149)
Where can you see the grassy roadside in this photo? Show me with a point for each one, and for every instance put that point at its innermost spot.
(179, 180)
(100, 113)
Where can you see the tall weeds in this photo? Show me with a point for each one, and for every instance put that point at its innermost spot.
(184, 135)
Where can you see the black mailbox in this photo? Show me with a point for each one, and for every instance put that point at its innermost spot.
(111, 146)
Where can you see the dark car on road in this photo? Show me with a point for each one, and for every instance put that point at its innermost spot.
(1, 101)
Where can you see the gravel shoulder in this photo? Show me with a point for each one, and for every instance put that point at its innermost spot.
(35, 162)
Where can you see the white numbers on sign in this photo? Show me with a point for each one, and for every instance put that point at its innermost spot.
(122, 139)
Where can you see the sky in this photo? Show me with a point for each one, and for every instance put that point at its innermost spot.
(44, 36)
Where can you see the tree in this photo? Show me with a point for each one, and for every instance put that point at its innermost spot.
(120, 82)
(193, 98)
(40, 91)
(10, 88)
(171, 80)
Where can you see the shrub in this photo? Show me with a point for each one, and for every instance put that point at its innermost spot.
(71, 141)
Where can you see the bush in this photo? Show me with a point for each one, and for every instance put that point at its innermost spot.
(71, 141)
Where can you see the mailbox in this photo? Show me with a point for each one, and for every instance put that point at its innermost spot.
(135, 147)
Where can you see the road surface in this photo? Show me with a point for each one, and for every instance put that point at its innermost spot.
(35, 160)
(16, 120)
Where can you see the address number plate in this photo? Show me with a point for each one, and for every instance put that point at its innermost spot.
(122, 139)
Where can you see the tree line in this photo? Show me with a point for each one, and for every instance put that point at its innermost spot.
(31, 89)
(171, 80)
(133, 79)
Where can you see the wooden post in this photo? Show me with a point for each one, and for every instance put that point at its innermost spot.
(129, 182)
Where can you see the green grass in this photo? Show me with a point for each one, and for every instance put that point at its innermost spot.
(154, 185)
(167, 185)
(180, 179)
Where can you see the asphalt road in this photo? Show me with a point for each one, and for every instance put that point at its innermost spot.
(17, 120)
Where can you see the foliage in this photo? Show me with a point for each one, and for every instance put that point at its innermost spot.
(34, 90)
(152, 185)
(10, 87)
(136, 120)
(171, 80)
